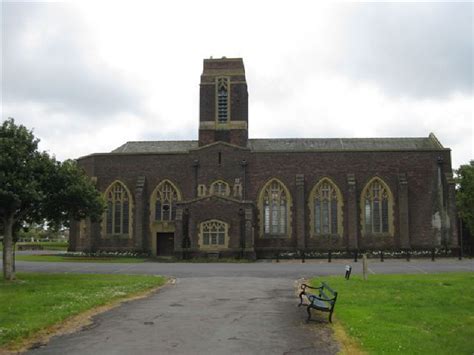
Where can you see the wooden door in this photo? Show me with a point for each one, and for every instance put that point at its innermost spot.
(164, 244)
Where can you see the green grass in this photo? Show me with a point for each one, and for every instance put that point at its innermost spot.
(36, 301)
(424, 314)
(82, 259)
(58, 246)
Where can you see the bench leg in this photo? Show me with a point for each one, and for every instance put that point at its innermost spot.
(301, 299)
(309, 313)
(330, 317)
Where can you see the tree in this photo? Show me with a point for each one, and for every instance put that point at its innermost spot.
(465, 195)
(34, 188)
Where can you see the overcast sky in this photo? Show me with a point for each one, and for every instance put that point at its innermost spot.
(89, 76)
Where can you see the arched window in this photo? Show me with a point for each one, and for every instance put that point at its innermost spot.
(376, 206)
(220, 187)
(222, 100)
(275, 205)
(213, 234)
(165, 197)
(117, 221)
(326, 208)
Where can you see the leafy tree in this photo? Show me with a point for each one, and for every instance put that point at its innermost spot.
(465, 195)
(35, 187)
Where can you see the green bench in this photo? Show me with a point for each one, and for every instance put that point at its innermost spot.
(322, 299)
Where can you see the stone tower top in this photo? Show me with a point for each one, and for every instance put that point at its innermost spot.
(223, 113)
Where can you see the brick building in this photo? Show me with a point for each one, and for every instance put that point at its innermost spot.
(232, 195)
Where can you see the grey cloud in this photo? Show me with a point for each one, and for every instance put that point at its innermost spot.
(422, 50)
(60, 72)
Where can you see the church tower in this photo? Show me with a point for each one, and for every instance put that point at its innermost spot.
(223, 104)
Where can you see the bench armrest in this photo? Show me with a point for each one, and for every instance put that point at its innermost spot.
(305, 286)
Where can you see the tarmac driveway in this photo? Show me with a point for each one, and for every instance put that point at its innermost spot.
(217, 308)
(207, 315)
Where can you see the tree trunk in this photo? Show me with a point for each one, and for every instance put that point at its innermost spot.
(8, 272)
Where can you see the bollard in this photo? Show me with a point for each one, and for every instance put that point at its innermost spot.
(381, 256)
(365, 267)
(460, 254)
(302, 258)
(355, 256)
(408, 255)
(432, 255)
(348, 272)
(278, 257)
(329, 256)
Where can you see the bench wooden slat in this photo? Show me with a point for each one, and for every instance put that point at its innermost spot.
(326, 286)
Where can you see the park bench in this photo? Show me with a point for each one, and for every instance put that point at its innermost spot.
(318, 299)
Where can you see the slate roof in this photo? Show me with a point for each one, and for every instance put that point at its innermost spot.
(342, 144)
(156, 147)
(294, 144)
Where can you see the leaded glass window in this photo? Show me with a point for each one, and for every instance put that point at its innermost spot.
(325, 208)
(222, 100)
(220, 188)
(376, 205)
(165, 203)
(118, 210)
(213, 233)
(275, 209)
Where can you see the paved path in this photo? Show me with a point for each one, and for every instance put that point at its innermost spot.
(217, 308)
(286, 269)
(216, 315)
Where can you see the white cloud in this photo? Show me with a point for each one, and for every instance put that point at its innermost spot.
(91, 75)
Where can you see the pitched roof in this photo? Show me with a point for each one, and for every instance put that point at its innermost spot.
(342, 144)
(294, 144)
(156, 147)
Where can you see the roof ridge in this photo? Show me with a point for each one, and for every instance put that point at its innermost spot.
(174, 140)
(338, 138)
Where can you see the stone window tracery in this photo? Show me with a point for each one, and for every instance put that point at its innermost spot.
(275, 209)
(165, 203)
(325, 205)
(214, 234)
(376, 208)
(117, 219)
(220, 188)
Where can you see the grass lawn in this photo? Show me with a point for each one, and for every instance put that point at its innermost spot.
(425, 314)
(58, 246)
(36, 301)
(82, 259)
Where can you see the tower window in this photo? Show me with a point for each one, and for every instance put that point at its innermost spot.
(222, 100)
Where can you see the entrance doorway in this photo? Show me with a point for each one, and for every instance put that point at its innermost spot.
(164, 244)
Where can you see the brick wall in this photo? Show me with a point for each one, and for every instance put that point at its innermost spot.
(418, 167)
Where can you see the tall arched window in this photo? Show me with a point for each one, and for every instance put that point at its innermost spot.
(275, 206)
(326, 209)
(213, 233)
(165, 197)
(220, 187)
(117, 221)
(376, 206)
(222, 100)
